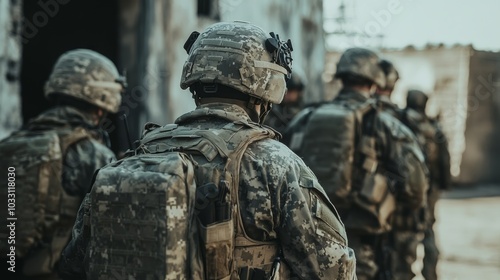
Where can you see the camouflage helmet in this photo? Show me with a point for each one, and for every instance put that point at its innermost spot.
(362, 63)
(391, 74)
(239, 55)
(88, 76)
(416, 100)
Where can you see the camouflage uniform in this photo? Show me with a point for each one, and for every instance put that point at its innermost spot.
(85, 85)
(79, 163)
(232, 68)
(386, 157)
(277, 195)
(84, 157)
(403, 161)
(435, 147)
(407, 225)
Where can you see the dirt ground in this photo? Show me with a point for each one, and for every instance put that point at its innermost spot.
(468, 234)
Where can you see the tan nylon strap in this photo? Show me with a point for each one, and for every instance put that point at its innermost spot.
(243, 139)
(74, 136)
(270, 65)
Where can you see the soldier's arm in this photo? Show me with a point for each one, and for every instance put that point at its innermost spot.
(312, 236)
(404, 161)
(82, 159)
(71, 263)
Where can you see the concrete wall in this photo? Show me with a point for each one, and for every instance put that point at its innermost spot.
(10, 61)
(481, 159)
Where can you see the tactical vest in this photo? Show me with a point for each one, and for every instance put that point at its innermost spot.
(426, 133)
(336, 140)
(44, 212)
(157, 242)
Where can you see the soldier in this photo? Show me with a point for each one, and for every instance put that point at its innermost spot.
(56, 154)
(383, 94)
(363, 157)
(437, 157)
(407, 224)
(235, 71)
(281, 114)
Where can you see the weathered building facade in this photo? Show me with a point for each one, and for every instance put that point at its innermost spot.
(10, 61)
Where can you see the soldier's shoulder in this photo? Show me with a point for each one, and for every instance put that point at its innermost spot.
(275, 152)
(92, 149)
(395, 128)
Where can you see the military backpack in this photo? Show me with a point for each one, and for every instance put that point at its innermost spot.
(155, 215)
(336, 140)
(38, 206)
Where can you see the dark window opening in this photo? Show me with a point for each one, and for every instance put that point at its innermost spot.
(51, 29)
(204, 7)
(208, 8)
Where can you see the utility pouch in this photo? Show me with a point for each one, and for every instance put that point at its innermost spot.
(252, 273)
(218, 238)
(374, 188)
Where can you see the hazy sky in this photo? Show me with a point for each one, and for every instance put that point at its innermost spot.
(418, 22)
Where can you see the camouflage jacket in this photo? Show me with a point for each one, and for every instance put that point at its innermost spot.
(385, 104)
(280, 200)
(398, 151)
(82, 158)
(434, 144)
(404, 218)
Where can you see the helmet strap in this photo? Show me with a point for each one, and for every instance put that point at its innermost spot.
(252, 109)
(264, 111)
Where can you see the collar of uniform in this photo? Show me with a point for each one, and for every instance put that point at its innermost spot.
(347, 93)
(65, 115)
(386, 100)
(226, 111)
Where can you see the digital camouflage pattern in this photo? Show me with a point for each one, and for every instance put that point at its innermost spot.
(142, 209)
(88, 76)
(407, 224)
(338, 123)
(141, 219)
(400, 161)
(234, 54)
(280, 203)
(55, 156)
(435, 147)
(362, 63)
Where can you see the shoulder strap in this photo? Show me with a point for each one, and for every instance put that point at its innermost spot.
(75, 135)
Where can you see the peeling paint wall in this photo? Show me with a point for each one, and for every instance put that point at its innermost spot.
(10, 61)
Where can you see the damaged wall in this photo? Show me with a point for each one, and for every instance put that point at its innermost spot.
(481, 158)
(10, 61)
